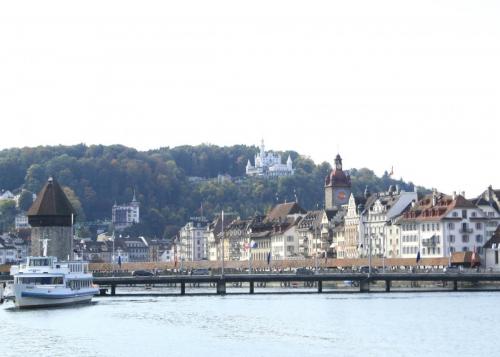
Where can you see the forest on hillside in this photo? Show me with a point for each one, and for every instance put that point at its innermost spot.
(172, 184)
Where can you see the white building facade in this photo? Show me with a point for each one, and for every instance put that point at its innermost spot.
(439, 225)
(193, 241)
(126, 215)
(269, 164)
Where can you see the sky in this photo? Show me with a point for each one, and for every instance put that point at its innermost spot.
(412, 85)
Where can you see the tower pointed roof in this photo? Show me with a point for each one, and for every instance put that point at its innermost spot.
(338, 177)
(51, 201)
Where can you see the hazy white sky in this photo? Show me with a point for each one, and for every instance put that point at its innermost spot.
(409, 84)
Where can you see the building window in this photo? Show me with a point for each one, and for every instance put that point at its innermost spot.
(473, 214)
(465, 249)
(479, 238)
(479, 225)
(455, 214)
(464, 213)
(452, 238)
(465, 239)
(496, 257)
(451, 225)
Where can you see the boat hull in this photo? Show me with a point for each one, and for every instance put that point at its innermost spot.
(40, 300)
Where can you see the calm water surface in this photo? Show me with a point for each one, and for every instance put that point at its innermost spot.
(395, 324)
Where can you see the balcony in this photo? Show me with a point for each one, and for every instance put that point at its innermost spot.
(466, 230)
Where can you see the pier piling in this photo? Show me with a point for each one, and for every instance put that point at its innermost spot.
(364, 286)
(221, 288)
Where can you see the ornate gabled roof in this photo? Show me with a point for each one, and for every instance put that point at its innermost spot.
(51, 201)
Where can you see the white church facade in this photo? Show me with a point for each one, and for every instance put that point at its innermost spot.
(268, 164)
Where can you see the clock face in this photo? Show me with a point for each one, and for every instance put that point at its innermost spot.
(341, 195)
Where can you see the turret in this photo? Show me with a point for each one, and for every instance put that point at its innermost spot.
(51, 217)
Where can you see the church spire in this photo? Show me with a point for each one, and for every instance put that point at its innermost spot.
(338, 162)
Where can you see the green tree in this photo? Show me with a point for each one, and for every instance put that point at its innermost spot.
(25, 200)
(7, 215)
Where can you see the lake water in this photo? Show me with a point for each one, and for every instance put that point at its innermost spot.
(395, 324)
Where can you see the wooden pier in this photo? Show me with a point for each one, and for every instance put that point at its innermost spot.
(360, 280)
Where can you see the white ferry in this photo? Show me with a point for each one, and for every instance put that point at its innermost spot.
(44, 282)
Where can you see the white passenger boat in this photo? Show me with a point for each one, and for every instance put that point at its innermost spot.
(44, 282)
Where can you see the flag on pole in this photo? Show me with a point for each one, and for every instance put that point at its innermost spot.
(268, 258)
(418, 257)
(473, 261)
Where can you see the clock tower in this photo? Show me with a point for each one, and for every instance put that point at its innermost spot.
(337, 186)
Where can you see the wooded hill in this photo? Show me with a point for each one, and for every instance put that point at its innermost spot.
(172, 184)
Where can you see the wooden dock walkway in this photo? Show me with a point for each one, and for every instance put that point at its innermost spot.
(317, 280)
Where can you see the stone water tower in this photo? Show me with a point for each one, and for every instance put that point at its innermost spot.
(51, 217)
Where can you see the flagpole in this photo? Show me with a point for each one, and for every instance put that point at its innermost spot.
(71, 255)
(222, 254)
(113, 256)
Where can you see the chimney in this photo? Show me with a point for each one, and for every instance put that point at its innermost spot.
(454, 197)
(490, 195)
(434, 197)
(462, 194)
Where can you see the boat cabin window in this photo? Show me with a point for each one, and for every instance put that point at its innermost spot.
(40, 262)
(78, 284)
(45, 280)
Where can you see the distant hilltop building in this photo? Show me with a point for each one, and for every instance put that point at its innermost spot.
(269, 164)
(125, 215)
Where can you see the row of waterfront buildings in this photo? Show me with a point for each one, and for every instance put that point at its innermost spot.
(391, 224)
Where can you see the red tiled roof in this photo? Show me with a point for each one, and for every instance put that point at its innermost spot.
(426, 209)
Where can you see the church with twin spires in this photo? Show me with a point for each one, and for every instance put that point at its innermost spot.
(268, 164)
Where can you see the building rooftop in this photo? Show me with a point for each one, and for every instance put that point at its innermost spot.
(51, 201)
